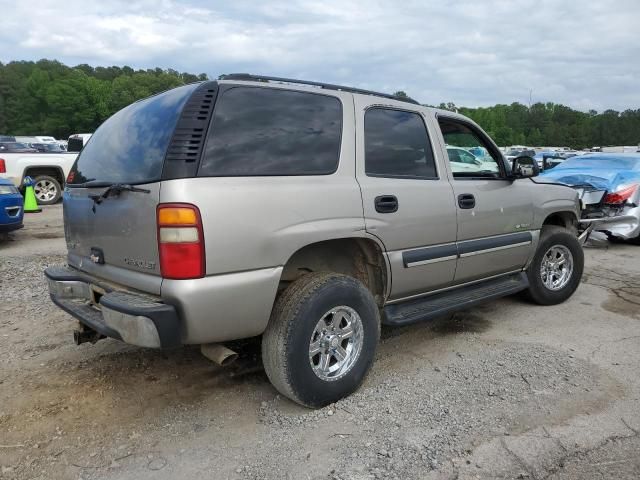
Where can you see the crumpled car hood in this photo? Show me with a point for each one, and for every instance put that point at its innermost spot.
(602, 179)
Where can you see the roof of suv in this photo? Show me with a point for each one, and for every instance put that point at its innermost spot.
(306, 84)
(327, 86)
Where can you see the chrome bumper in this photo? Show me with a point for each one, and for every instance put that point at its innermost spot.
(133, 318)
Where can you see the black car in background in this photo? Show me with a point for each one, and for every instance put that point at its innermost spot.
(16, 147)
(7, 138)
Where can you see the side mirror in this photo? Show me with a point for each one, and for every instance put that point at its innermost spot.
(525, 167)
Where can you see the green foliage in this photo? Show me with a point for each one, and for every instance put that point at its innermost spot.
(549, 124)
(49, 98)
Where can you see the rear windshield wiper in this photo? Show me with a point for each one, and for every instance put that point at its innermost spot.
(115, 189)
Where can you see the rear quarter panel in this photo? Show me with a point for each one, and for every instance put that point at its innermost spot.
(252, 226)
(252, 223)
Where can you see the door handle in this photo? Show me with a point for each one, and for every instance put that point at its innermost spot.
(466, 201)
(386, 204)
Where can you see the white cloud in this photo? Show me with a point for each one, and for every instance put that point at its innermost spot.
(584, 54)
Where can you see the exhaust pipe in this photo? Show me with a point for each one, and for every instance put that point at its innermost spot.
(219, 354)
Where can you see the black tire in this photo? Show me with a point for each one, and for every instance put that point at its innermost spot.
(287, 339)
(551, 236)
(49, 182)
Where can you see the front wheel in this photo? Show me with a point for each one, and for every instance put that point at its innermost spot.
(556, 268)
(321, 339)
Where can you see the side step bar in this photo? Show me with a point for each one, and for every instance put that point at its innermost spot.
(436, 305)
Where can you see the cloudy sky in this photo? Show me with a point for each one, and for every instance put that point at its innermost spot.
(585, 53)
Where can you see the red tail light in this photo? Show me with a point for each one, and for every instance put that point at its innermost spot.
(620, 196)
(180, 241)
(3, 167)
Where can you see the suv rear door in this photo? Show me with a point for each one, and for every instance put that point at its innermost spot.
(407, 199)
(113, 234)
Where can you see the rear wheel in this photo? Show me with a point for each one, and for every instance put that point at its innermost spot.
(556, 269)
(321, 338)
(47, 189)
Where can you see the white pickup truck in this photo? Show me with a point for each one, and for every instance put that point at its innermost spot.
(49, 171)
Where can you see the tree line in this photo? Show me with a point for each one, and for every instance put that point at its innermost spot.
(49, 98)
(552, 124)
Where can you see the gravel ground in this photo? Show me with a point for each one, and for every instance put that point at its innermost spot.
(506, 390)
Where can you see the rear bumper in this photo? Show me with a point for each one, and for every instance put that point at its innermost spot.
(135, 319)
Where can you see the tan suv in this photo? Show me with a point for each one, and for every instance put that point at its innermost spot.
(303, 212)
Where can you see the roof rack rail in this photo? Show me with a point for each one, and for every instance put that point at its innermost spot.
(328, 86)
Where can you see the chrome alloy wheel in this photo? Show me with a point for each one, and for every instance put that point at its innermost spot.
(556, 268)
(45, 190)
(336, 343)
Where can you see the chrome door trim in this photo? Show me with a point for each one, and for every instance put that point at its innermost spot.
(494, 249)
(433, 260)
(450, 251)
(430, 254)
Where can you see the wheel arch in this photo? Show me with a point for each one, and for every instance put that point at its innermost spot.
(363, 258)
(566, 219)
(50, 170)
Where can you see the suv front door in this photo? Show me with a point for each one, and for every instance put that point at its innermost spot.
(407, 199)
(495, 213)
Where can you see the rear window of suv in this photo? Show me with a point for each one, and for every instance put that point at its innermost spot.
(130, 146)
(397, 145)
(268, 132)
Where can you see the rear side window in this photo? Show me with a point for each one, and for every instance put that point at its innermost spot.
(397, 145)
(129, 147)
(263, 131)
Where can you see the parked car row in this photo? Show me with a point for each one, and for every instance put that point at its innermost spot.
(22, 147)
(42, 144)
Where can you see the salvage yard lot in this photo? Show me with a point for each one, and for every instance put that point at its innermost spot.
(504, 390)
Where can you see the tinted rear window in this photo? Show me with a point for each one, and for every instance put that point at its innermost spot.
(397, 145)
(263, 131)
(130, 146)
